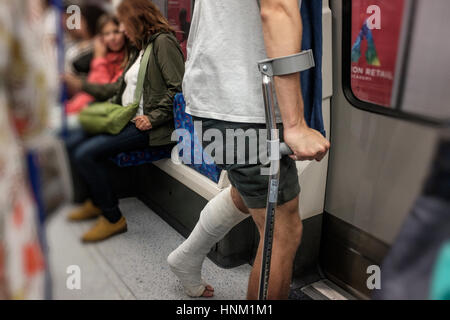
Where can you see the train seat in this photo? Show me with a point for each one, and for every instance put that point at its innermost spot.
(151, 155)
(185, 121)
(138, 157)
(205, 179)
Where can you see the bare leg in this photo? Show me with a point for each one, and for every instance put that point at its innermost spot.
(287, 237)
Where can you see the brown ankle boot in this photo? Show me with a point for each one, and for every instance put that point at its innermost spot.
(85, 212)
(104, 229)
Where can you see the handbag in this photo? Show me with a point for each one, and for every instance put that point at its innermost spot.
(107, 117)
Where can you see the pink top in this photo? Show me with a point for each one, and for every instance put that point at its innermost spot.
(103, 70)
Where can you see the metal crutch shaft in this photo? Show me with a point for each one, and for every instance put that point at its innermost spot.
(269, 68)
(274, 177)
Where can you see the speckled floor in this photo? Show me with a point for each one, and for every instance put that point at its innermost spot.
(131, 265)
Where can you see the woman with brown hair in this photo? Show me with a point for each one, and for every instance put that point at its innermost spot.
(143, 24)
(110, 47)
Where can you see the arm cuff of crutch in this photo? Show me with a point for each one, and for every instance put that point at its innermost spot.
(287, 65)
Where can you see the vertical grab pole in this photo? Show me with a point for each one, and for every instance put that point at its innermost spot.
(274, 177)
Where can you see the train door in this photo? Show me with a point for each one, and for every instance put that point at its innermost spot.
(377, 163)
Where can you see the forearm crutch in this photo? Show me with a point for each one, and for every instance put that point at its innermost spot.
(270, 68)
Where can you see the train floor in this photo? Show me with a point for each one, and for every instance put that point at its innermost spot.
(132, 265)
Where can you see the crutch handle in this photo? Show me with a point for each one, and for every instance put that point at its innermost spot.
(285, 150)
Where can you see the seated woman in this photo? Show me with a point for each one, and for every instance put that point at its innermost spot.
(108, 63)
(153, 125)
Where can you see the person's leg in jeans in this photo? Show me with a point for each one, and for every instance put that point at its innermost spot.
(74, 138)
(91, 157)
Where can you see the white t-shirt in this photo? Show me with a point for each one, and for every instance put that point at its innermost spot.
(222, 80)
(131, 78)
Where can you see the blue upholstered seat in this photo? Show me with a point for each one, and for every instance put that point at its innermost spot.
(184, 121)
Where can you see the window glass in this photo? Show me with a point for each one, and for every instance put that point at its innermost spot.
(376, 31)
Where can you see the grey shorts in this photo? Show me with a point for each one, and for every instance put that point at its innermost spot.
(246, 177)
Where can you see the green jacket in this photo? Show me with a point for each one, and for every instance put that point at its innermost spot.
(163, 81)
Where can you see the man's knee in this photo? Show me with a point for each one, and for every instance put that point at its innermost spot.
(289, 227)
(287, 221)
(290, 208)
(82, 156)
(237, 200)
(258, 216)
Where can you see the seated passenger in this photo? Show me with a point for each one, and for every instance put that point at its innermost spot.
(153, 125)
(108, 63)
(79, 42)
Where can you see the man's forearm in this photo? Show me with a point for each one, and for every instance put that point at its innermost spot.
(282, 28)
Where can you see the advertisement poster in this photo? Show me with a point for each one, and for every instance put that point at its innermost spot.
(179, 16)
(376, 29)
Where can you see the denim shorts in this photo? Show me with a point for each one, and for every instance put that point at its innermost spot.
(246, 175)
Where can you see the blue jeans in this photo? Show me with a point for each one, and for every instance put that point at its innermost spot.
(90, 155)
(73, 139)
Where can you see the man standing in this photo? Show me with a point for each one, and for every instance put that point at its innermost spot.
(222, 87)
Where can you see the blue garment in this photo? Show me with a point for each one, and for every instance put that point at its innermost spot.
(439, 182)
(311, 12)
(407, 270)
(440, 289)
